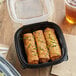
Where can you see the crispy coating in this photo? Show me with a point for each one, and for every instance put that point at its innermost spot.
(41, 46)
(52, 42)
(30, 48)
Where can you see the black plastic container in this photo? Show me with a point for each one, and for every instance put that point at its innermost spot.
(31, 28)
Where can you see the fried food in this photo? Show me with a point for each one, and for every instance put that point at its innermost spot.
(52, 43)
(41, 46)
(30, 48)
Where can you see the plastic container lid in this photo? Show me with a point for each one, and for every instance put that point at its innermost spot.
(30, 11)
(6, 69)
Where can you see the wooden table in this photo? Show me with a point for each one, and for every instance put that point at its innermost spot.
(8, 28)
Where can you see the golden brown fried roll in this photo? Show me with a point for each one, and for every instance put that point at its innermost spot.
(30, 48)
(52, 42)
(41, 46)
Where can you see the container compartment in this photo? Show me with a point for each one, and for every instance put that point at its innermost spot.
(31, 28)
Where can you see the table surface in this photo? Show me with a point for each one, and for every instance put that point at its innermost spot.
(8, 29)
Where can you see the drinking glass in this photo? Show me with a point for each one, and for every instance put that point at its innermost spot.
(70, 8)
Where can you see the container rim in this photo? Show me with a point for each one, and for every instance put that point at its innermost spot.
(66, 1)
(10, 66)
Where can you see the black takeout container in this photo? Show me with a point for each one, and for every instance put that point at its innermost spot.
(31, 28)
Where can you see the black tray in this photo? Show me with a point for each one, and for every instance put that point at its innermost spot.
(33, 27)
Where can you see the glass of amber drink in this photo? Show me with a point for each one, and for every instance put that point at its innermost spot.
(70, 7)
